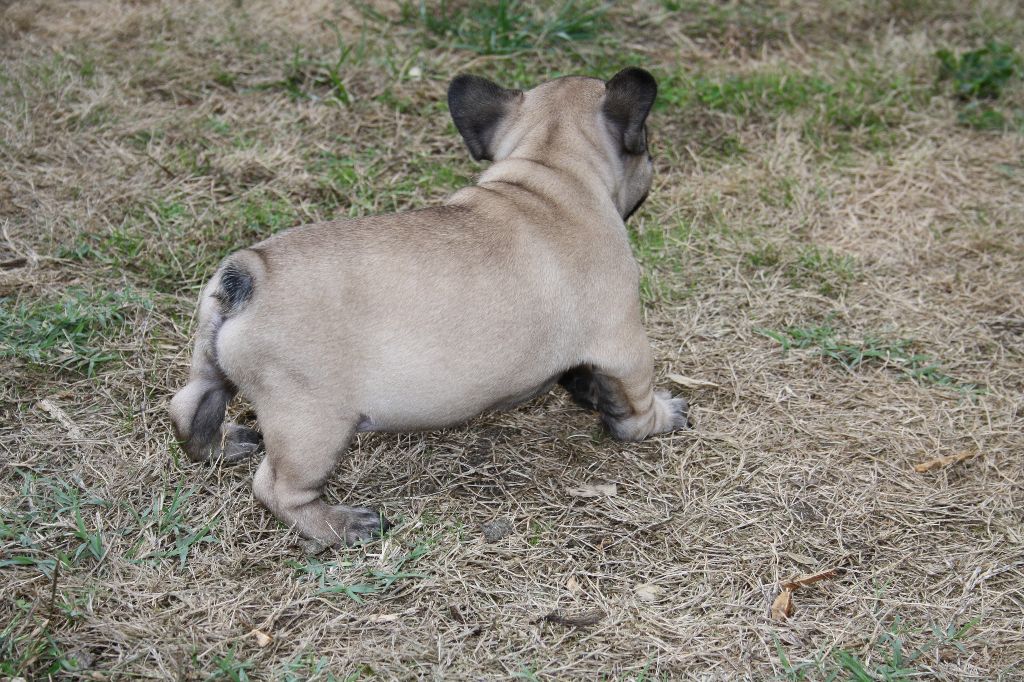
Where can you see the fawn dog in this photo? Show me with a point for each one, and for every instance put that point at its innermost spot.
(424, 319)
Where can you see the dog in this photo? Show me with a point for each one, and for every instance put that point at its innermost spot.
(424, 319)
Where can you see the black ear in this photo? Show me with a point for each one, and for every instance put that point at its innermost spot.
(628, 99)
(477, 107)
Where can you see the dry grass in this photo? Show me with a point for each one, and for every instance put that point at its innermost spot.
(815, 191)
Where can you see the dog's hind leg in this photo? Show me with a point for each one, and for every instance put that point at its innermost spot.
(579, 382)
(623, 388)
(303, 445)
(197, 410)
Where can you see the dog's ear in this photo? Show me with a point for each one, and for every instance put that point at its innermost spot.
(478, 107)
(629, 96)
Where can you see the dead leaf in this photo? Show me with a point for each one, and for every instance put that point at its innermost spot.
(794, 584)
(572, 584)
(689, 382)
(648, 592)
(940, 462)
(263, 640)
(73, 429)
(782, 607)
(594, 490)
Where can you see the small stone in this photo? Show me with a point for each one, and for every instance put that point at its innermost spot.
(263, 640)
(496, 530)
(648, 592)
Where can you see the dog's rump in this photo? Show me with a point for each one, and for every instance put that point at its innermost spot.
(236, 280)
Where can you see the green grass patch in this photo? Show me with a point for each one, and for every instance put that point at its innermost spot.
(55, 527)
(319, 77)
(505, 26)
(859, 106)
(347, 181)
(978, 78)
(70, 332)
(28, 648)
(755, 23)
(811, 266)
(230, 667)
(892, 657)
(53, 522)
(162, 526)
(827, 271)
(168, 245)
(982, 73)
(659, 249)
(331, 578)
(352, 184)
(981, 116)
(310, 666)
(870, 351)
(765, 92)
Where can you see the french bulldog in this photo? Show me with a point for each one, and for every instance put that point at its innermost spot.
(426, 318)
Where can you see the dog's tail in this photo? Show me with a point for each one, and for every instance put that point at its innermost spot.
(197, 410)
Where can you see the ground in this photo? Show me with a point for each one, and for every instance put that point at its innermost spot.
(834, 277)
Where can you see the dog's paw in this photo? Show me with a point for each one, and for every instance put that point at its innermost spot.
(673, 412)
(680, 413)
(666, 414)
(350, 525)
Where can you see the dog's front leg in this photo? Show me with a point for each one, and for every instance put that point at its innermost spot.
(622, 386)
(303, 446)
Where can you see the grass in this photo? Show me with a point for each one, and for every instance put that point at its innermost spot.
(872, 350)
(67, 332)
(189, 246)
(164, 528)
(859, 106)
(53, 525)
(754, 21)
(347, 182)
(888, 659)
(981, 73)
(314, 77)
(312, 667)
(228, 667)
(27, 642)
(978, 78)
(367, 582)
(657, 248)
(815, 177)
(807, 267)
(505, 26)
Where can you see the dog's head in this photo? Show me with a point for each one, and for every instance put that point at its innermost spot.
(575, 122)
